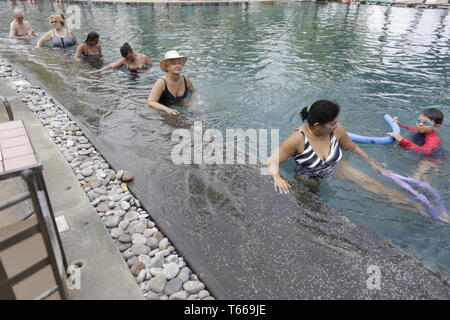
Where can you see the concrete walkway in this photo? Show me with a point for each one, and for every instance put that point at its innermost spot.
(104, 273)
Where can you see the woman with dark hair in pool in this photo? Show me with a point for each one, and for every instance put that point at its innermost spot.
(316, 149)
(135, 62)
(89, 48)
(60, 36)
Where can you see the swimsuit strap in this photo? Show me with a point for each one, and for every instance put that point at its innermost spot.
(167, 88)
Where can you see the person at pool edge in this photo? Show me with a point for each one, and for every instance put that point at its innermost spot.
(315, 146)
(60, 36)
(172, 88)
(90, 47)
(135, 62)
(424, 141)
(20, 28)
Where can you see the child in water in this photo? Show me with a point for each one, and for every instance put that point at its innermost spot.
(425, 140)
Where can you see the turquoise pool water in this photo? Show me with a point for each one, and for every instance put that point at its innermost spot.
(256, 66)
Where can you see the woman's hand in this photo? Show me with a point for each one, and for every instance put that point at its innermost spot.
(172, 111)
(281, 185)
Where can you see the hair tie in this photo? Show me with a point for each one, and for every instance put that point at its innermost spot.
(308, 108)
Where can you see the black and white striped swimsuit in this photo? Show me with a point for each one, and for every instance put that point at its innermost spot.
(309, 163)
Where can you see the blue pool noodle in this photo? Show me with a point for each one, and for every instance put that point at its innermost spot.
(377, 140)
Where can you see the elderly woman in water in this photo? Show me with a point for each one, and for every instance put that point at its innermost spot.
(316, 148)
(172, 88)
(61, 37)
(135, 62)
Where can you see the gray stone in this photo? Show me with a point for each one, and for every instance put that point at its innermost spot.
(115, 197)
(151, 296)
(171, 270)
(87, 172)
(164, 244)
(155, 271)
(180, 295)
(112, 222)
(138, 239)
(193, 277)
(153, 243)
(173, 258)
(131, 216)
(183, 275)
(139, 249)
(154, 252)
(164, 297)
(173, 286)
(139, 227)
(87, 164)
(92, 195)
(119, 174)
(125, 238)
(157, 283)
(158, 235)
(132, 261)
(193, 287)
(123, 246)
(101, 190)
(157, 261)
(128, 253)
(126, 197)
(145, 259)
(125, 205)
(123, 225)
(148, 233)
(165, 253)
(116, 233)
(203, 294)
(141, 276)
(95, 183)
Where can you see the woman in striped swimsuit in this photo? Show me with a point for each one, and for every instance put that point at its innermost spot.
(316, 148)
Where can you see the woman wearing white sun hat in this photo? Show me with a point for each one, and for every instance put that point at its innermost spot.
(172, 88)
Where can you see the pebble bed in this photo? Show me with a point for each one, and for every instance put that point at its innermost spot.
(160, 272)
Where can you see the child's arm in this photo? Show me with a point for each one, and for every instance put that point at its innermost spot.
(410, 128)
(397, 121)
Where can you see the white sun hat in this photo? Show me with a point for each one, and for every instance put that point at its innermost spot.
(172, 54)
